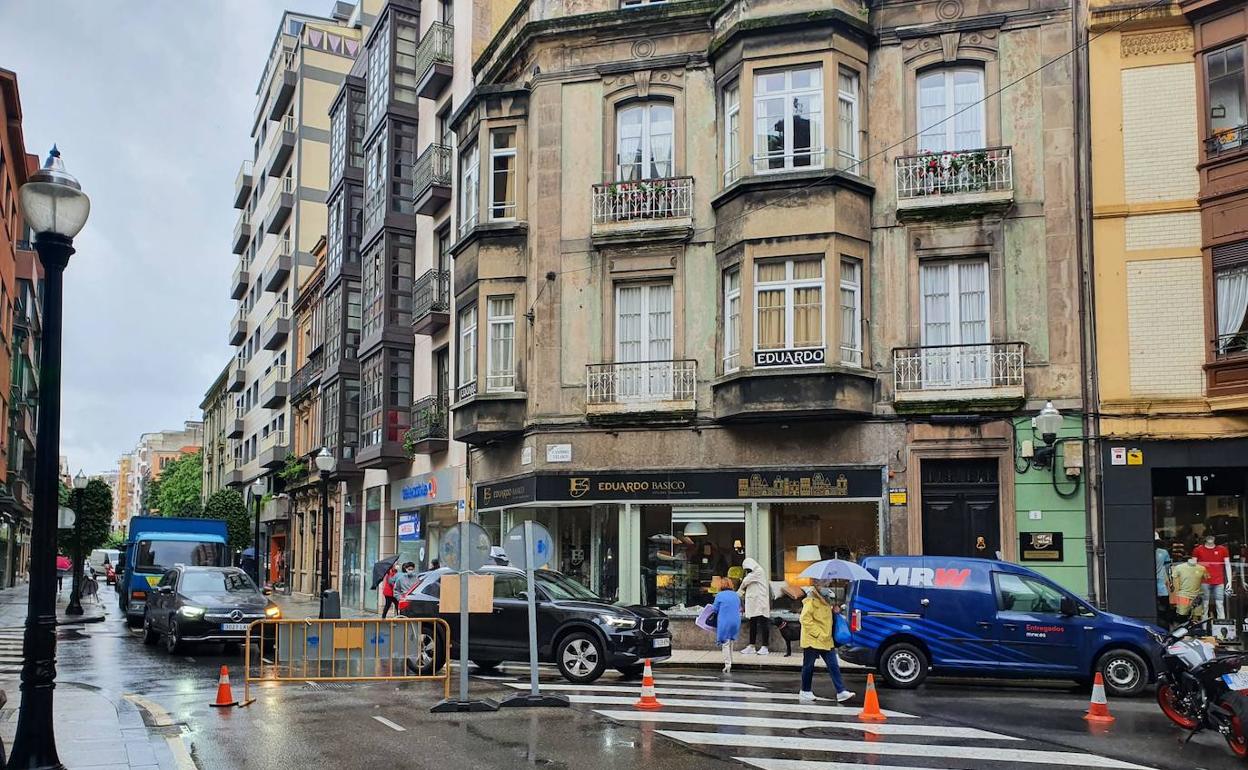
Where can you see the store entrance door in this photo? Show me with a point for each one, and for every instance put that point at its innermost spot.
(961, 508)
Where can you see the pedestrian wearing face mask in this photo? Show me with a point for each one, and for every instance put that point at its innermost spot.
(817, 643)
(404, 583)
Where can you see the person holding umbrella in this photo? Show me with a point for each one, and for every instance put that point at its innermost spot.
(818, 625)
(384, 572)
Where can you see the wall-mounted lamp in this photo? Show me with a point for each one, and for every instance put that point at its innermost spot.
(1047, 424)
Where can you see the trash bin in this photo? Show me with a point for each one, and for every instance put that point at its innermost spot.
(331, 604)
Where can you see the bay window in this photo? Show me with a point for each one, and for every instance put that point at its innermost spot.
(847, 121)
(788, 119)
(1230, 287)
(1228, 97)
(732, 320)
(788, 306)
(469, 188)
(503, 174)
(467, 351)
(732, 133)
(951, 109)
(851, 311)
(644, 142)
(955, 325)
(375, 183)
(406, 41)
(501, 346)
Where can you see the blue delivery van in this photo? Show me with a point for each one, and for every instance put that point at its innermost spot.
(985, 618)
(154, 545)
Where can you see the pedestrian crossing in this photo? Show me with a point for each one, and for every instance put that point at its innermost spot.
(10, 653)
(767, 730)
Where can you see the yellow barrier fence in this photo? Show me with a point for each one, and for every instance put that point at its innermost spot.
(347, 650)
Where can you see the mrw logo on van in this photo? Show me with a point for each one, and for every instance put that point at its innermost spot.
(922, 577)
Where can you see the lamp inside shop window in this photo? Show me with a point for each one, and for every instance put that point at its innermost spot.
(738, 547)
(808, 553)
(695, 529)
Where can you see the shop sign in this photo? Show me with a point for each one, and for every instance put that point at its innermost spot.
(426, 489)
(1040, 546)
(791, 357)
(410, 529)
(659, 486)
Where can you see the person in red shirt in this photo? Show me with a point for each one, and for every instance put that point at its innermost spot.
(1217, 561)
(387, 590)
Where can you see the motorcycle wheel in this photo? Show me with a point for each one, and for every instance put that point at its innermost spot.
(1166, 698)
(1237, 742)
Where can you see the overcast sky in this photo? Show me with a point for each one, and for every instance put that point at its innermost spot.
(150, 102)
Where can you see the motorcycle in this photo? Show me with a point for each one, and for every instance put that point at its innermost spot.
(1200, 690)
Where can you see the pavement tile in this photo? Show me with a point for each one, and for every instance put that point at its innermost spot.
(140, 753)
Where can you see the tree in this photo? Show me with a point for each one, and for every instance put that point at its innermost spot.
(180, 486)
(228, 505)
(94, 513)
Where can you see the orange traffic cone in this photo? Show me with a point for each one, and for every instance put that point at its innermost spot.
(1098, 710)
(871, 704)
(225, 697)
(648, 701)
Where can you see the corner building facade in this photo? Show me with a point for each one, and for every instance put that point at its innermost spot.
(709, 305)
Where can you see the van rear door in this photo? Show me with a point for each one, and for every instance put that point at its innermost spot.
(1032, 630)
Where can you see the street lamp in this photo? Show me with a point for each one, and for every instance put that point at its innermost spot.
(325, 463)
(75, 600)
(257, 493)
(56, 209)
(1048, 422)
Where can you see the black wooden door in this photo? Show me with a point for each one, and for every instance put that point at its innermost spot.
(961, 508)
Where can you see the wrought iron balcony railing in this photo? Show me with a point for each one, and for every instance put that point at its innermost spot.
(990, 170)
(1226, 140)
(429, 419)
(431, 294)
(958, 367)
(644, 200)
(641, 382)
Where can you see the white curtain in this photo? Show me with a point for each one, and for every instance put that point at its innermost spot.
(1232, 289)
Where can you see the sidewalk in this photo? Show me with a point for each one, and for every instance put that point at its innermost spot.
(13, 607)
(298, 607)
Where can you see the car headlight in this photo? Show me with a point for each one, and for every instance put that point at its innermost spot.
(618, 623)
(187, 611)
(272, 611)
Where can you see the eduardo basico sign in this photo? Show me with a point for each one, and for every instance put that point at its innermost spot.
(661, 486)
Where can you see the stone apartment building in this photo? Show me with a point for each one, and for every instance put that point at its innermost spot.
(219, 413)
(148, 459)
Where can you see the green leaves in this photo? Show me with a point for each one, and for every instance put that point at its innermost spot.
(180, 487)
(94, 509)
(228, 505)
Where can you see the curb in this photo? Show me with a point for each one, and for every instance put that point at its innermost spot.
(81, 620)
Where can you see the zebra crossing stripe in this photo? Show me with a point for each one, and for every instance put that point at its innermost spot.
(783, 708)
(717, 720)
(1062, 758)
(713, 685)
(661, 691)
(805, 764)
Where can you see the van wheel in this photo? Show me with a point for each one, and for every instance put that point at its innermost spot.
(903, 666)
(1125, 673)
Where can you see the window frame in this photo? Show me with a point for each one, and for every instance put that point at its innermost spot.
(647, 108)
(500, 153)
(466, 338)
(851, 158)
(504, 379)
(731, 360)
(469, 194)
(816, 153)
(789, 285)
(855, 351)
(1239, 139)
(947, 123)
(954, 301)
(731, 101)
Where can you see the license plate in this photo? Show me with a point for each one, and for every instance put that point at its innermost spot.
(1236, 681)
(662, 643)
(233, 626)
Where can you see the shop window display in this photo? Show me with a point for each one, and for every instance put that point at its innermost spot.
(689, 552)
(352, 575)
(849, 530)
(372, 542)
(585, 541)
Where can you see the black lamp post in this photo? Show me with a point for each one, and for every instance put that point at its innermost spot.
(257, 493)
(75, 591)
(325, 463)
(56, 209)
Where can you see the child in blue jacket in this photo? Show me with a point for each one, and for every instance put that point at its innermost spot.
(727, 620)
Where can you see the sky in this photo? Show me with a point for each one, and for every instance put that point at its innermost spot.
(150, 103)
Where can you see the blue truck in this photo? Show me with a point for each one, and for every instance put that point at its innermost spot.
(154, 545)
(986, 618)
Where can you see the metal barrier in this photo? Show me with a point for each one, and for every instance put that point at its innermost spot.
(347, 650)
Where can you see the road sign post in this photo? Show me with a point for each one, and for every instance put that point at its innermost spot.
(462, 551)
(535, 553)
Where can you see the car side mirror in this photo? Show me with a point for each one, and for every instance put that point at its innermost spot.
(164, 589)
(1069, 606)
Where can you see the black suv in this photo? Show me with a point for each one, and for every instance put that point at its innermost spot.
(577, 630)
(203, 604)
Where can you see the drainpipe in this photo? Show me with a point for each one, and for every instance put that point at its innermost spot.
(1089, 381)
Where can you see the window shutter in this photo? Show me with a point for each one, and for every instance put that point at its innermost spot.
(1230, 255)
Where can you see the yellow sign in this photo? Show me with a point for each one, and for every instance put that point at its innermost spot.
(1135, 457)
(897, 496)
(152, 580)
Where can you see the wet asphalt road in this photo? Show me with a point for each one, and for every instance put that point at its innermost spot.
(299, 725)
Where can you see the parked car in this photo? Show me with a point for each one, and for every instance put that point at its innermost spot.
(987, 618)
(100, 557)
(577, 630)
(203, 604)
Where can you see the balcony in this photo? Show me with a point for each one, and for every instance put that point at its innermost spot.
(957, 378)
(483, 417)
(242, 184)
(283, 204)
(276, 326)
(649, 390)
(951, 184)
(278, 271)
(387, 450)
(242, 233)
(431, 302)
(432, 179)
(281, 146)
(238, 328)
(238, 377)
(768, 393)
(305, 380)
(232, 471)
(273, 449)
(1227, 373)
(651, 209)
(1226, 140)
(428, 434)
(283, 88)
(240, 281)
(275, 387)
(434, 59)
(235, 428)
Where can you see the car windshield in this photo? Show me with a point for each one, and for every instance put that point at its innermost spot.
(216, 582)
(161, 555)
(563, 587)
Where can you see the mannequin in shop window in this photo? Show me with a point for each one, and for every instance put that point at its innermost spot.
(1216, 560)
(1185, 590)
